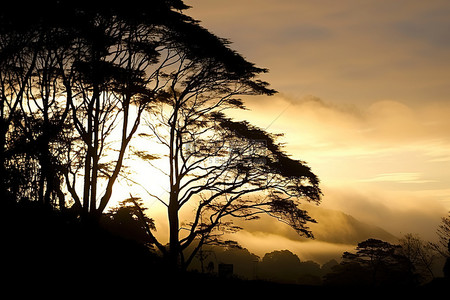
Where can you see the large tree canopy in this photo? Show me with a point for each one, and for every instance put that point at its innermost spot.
(72, 73)
(76, 79)
(223, 167)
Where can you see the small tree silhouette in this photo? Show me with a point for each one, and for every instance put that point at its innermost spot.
(129, 221)
(375, 263)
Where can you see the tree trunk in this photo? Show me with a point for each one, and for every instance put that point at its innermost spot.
(3, 130)
(95, 154)
(174, 243)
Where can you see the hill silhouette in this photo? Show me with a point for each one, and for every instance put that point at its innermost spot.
(48, 251)
(334, 233)
(335, 226)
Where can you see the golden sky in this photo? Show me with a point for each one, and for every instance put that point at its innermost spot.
(364, 99)
(341, 51)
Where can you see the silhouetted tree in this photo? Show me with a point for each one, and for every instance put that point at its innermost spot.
(116, 74)
(214, 162)
(75, 79)
(443, 233)
(33, 116)
(327, 267)
(18, 55)
(442, 246)
(86, 71)
(375, 263)
(43, 130)
(447, 264)
(348, 274)
(286, 267)
(129, 221)
(280, 266)
(420, 254)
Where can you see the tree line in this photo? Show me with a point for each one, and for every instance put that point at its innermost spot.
(374, 263)
(410, 263)
(48, 249)
(77, 81)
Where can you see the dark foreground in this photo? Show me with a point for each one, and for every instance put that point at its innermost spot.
(44, 254)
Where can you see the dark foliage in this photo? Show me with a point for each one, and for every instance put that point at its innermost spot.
(51, 247)
(54, 250)
(46, 252)
(375, 263)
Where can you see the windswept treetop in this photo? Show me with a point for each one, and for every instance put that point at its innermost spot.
(184, 33)
(152, 28)
(90, 71)
(81, 68)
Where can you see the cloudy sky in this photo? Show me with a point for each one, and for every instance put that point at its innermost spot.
(364, 98)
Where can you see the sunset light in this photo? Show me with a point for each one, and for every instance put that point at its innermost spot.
(264, 146)
(363, 99)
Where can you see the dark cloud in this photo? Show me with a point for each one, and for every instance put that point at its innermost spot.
(430, 27)
(341, 50)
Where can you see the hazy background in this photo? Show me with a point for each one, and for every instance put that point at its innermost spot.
(364, 99)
